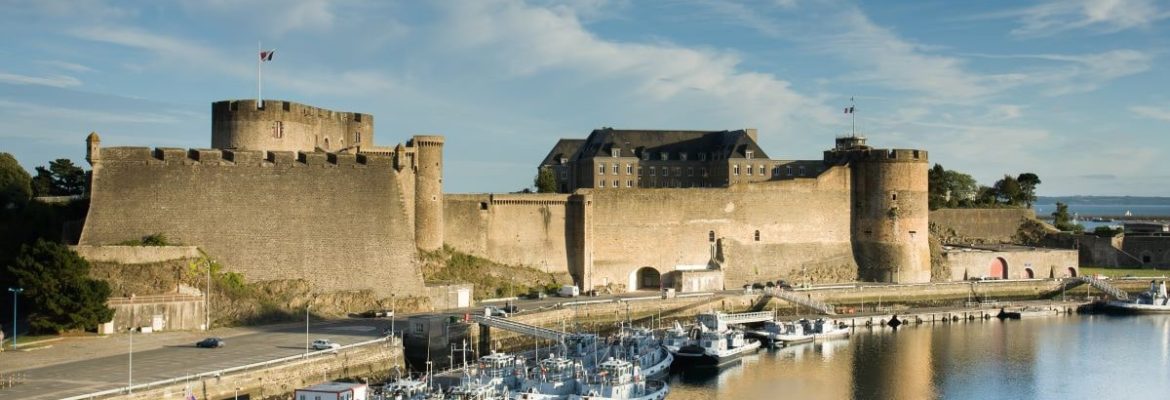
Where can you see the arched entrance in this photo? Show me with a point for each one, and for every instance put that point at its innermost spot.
(998, 268)
(646, 278)
(1072, 272)
(1029, 273)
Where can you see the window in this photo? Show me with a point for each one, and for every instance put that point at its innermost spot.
(629, 183)
(616, 184)
(749, 170)
(564, 160)
(757, 236)
(789, 168)
(664, 155)
(615, 168)
(357, 137)
(748, 154)
(703, 171)
(652, 171)
(601, 169)
(677, 171)
(711, 236)
(645, 155)
(326, 143)
(736, 169)
(682, 156)
(801, 170)
(601, 183)
(278, 129)
(894, 196)
(690, 171)
(763, 170)
(665, 171)
(615, 152)
(702, 156)
(639, 170)
(629, 169)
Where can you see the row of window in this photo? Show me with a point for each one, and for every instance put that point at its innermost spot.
(711, 236)
(682, 156)
(664, 183)
(278, 132)
(666, 171)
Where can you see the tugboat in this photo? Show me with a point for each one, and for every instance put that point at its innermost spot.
(714, 344)
(620, 380)
(1152, 301)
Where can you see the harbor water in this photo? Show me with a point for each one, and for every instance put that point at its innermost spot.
(1066, 357)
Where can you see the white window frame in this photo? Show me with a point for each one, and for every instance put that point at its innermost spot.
(601, 169)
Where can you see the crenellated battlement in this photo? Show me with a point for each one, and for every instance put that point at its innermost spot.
(281, 109)
(171, 155)
(875, 155)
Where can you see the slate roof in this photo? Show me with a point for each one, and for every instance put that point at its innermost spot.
(729, 144)
(565, 148)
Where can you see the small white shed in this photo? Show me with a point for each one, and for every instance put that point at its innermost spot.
(333, 391)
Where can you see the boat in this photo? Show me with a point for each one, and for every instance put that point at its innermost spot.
(713, 343)
(620, 380)
(640, 345)
(1152, 301)
(675, 338)
(554, 378)
(408, 389)
(494, 377)
(776, 333)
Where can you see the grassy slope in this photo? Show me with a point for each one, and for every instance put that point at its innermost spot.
(490, 278)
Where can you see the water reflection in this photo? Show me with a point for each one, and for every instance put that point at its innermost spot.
(1046, 358)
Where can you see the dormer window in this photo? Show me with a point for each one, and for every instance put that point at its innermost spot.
(682, 156)
(664, 155)
(748, 154)
(615, 152)
(564, 160)
(645, 155)
(702, 156)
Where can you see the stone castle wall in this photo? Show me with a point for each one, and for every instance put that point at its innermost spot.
(1041, 263)
(287, 126)
(337, 221)
(890, 212)
(520, 229)
(987, 225)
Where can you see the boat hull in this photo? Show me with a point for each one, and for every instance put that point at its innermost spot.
(687, 357)
(1121, 307)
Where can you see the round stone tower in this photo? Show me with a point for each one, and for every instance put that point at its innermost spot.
(428, 192)
(890, 211)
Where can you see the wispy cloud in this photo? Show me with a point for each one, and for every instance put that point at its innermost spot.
(1158, 113)
(32, 110)
(60, 81)
(65, 65)
(1101, 16)
(277, 17)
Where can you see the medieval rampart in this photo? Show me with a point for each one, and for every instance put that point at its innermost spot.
(987, 225)
(519, 229)
(337, 221)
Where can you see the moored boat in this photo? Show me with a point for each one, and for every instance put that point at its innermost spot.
(713, 343)
(620, 380)
(1152, 301)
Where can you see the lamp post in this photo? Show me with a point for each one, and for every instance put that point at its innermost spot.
(207, 297)
(306, 329)
(15, 291)
(130, 379)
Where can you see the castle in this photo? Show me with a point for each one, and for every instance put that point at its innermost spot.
(292, 191)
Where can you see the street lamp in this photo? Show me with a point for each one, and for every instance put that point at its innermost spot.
(130, 379)
(306, 329)
(15, 291)
(207, 297)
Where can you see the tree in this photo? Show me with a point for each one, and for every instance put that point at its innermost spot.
(60, 293)
(15, 183)
(949, 188)
(1028, 182)
(1007, 190)
(62, 178)
(545, 181)
(1063, 221)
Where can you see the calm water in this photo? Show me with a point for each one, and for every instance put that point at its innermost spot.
(1045, 210)
(1074, 357)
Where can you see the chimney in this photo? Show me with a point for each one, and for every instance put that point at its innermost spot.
(751, 132)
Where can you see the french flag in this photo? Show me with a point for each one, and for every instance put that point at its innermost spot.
(267, 55)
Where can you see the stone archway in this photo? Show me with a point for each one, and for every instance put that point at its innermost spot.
(646, 278)
(998, 268)
(1028, 273)
(1072, 272)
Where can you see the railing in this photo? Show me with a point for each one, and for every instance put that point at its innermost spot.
(517, 327)
(746, 318)
(805, 300)
(1104, 287)
(218, 373)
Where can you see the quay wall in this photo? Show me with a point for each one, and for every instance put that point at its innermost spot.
(338, 221)
(373, 361)
(983, 225)
(1021, 263)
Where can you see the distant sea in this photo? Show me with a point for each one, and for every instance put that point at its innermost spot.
(1092, 210)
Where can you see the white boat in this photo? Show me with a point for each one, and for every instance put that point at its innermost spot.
(620, 380)
(495, 376)
(781, 332)
(1152, 301)
(713, 343)
(675, 338)
(408, 389)
(553, 378)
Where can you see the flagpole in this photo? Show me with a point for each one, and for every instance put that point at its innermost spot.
(853, 113)
(259, 78)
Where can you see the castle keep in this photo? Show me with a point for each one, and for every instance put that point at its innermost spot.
(291, 191)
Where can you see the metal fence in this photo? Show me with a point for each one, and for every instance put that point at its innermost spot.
(226, 371)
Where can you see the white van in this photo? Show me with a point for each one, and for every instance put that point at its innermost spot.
(569, 291)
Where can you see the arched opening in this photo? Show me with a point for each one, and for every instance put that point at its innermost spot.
(647, 278)
(998, 268)
(326, 144)
(1029, 273)
(1072, 272)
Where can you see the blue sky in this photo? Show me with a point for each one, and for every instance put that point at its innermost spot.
(1073, 90)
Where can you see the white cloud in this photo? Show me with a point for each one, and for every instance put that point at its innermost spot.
(68, 66)
(1104, 16)
(31, 110)
(274, 16)
(1158, 113)
(1079, 73)
(60, 81)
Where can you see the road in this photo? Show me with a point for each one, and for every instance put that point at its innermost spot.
(172, 360)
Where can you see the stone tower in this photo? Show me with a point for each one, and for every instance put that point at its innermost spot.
(428, 191)
(93, 148)
(889, 210)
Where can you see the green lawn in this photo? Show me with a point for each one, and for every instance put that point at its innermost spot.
(1122, 272)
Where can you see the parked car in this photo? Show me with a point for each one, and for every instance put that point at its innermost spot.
(211, 343)
(377, 314)
(510, 308)
(325, 344)
(493, 311)
(569, 291)
(537, 294)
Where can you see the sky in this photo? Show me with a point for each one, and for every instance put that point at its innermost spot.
(1075, 91)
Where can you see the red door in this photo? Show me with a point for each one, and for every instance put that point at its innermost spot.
(998, 269)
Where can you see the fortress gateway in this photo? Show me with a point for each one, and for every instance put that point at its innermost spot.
(290, 191)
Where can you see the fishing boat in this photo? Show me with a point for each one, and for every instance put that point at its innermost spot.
(675, 338)
(775, 333)
(713, 343)
(553, 378)
(1152, 301)
(495, 376)
(640, 345)
(620, 380)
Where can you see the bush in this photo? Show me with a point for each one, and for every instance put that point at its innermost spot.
(154, 239)
(59, 291)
